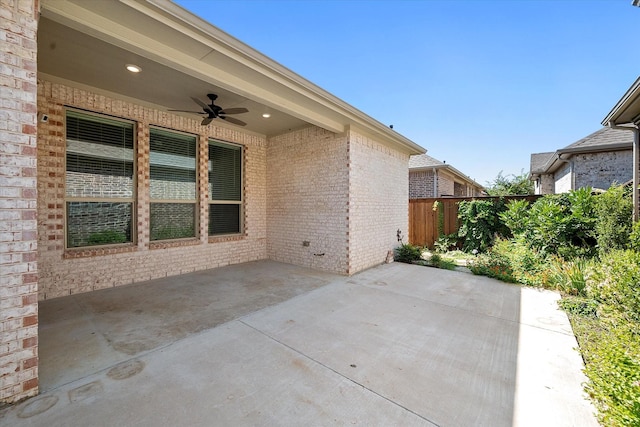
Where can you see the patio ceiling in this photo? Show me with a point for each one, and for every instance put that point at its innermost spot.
(68, 55)
(182, 56)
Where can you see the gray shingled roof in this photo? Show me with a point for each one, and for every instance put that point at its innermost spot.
(423, 161)
(605, 139)
(602, 138)
(539, 160)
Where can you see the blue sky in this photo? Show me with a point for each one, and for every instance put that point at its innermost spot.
(479, 84)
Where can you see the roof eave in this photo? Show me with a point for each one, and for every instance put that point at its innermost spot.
(449, 168)
(280, 87)
(621, 107)
(597, 148)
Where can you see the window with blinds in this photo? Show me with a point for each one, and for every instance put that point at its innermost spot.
(99, 182)
(225, 188)
(173, 188)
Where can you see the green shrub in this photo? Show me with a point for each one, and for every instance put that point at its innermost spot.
(529, 265)
(634, 238)
(613, 369)
(556, 224)
(480, 223)
(408, 253)
(446, 243)
(611, 348)
(438, 261)
(493, 265)
(516, 216)
(107, 237)
(569, 276)
(613, 224)
(579, 306)
(615, 283)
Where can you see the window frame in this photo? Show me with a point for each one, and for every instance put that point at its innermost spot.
(132, 201)
(194, 202)
(212, 201)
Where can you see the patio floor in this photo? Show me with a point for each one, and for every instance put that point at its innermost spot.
(267, 343)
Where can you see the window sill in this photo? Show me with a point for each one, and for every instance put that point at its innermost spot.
(164, 244)
(87, 252)
(226, 238)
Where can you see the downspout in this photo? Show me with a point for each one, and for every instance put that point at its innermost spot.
(636, 161)
(435, 182)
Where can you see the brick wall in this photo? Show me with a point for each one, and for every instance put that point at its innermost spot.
(68, 271)
(18, 240)
(600, 170)
(420, 184)
(378, 202)
(563, 179)
(545, 184)
(445, 184)
(307, 199)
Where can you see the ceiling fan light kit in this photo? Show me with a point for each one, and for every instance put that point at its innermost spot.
(213, 111)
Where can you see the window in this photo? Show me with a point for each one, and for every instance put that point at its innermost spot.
(172, 189)
(225, 188)
(99, 182)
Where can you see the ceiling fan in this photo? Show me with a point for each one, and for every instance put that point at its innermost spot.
(213, 111)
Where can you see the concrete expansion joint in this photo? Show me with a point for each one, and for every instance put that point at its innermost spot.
(338, 373)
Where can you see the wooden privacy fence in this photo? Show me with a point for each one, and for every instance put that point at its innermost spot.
(423, 218)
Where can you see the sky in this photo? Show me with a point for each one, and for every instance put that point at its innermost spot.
(479, 84)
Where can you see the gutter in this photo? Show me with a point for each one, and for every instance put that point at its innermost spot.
(435, 182)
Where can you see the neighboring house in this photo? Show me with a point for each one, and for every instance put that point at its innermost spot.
(625, 117)
(103, 185)
(429, 177)
(599, 160)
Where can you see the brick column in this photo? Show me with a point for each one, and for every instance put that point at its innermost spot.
(18, 228)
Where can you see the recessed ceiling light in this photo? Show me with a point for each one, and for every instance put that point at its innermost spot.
(266, 115)
(133, 68)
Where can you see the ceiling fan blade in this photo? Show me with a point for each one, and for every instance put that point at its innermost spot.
(206, 121)
(204, 106)
(234, 110)
(234, 121)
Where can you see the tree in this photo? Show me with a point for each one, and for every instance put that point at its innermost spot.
(510, 185)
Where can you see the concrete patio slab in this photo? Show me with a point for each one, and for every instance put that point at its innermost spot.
(394, 345)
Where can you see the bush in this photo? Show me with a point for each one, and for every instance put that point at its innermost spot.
(613, 219)
(408, 253)
(446, 243)
(569, 276)
(612, 347)
(634, 238)
(480, 223)
(529, 265)
(439, 262)
(493, 265)
(555, 224)
(615, 283)
(579, 306)
(613, 369)
(516, 216)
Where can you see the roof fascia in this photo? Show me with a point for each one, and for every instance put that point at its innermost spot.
(597, 148)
